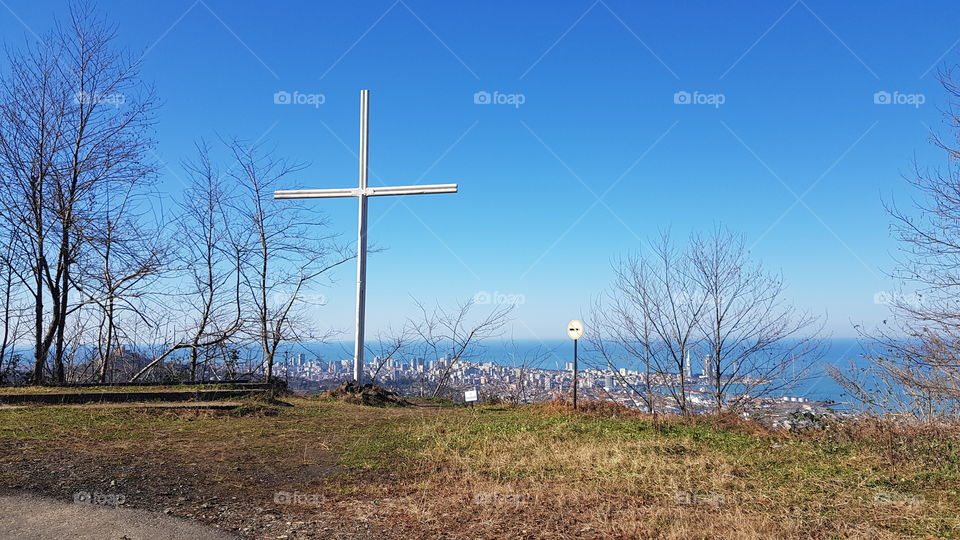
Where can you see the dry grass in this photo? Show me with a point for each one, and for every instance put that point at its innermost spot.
(611, 472)
(536, 472)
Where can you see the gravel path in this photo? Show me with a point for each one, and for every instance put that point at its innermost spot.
(40, 518)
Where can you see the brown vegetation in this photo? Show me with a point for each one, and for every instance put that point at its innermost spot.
(531, 472)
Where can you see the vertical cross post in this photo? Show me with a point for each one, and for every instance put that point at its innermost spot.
(358, 344)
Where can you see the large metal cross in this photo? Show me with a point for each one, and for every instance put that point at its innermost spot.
(361, 193)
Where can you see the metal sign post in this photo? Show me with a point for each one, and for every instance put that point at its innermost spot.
(574, 331)
(361, 192)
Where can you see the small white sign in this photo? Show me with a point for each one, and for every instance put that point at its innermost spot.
(470, 396)
(575, 329)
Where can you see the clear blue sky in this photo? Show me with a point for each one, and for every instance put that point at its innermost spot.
(596, 159)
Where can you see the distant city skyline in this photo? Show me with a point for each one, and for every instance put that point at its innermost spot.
(577, 131)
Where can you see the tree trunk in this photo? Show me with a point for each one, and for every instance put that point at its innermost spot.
(8, 288)
(59, 375)
(193, 364)
(39, 358)
(108, 347)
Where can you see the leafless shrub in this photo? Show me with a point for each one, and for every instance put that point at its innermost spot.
(914, 363)
(709, 300)
(442, 330)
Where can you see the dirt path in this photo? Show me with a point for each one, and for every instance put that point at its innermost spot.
(41, 518)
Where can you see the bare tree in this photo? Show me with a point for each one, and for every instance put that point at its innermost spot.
(757, 343)
(524, 362)
(616, 336)
(659, 298)
(667, 308)
(211, 260)
(126, 261)
(13, 314)
(74, 117)
(440, 330)
(915, 354)
(34, 102)
(285, 253)
(248, 263)
(388, 345)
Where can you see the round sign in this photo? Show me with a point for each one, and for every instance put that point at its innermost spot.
(575, 329)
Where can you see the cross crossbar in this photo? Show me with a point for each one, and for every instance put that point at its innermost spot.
(379, 191)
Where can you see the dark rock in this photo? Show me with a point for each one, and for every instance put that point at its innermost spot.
(368, 394)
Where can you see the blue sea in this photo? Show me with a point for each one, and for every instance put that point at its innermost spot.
(554, 354)
(816, 385)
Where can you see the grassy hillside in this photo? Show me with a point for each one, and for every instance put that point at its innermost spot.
(331, 469)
